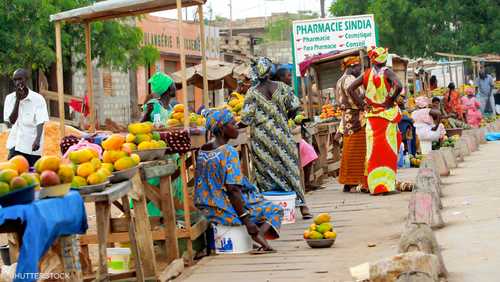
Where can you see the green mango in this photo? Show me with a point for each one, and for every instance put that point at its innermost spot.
(324, 227)
(315, 235)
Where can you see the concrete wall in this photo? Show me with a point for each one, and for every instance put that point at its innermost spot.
(116, 104)
(278, 52)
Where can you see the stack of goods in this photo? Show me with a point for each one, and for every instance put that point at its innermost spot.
(416, 160)
(54, 171)
(322, 228)
(177, 117)
(117, 154)
(328, 112)
(235, 105)
(451, 123)
(140, 137)
(15, 175)
(88, 168)
(450, 142)
(438, 92)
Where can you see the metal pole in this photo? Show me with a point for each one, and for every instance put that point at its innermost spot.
(230, 20)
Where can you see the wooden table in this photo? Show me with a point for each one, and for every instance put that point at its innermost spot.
(140, 239)
(329, 150)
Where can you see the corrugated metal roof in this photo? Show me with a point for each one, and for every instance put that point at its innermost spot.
(119, 8)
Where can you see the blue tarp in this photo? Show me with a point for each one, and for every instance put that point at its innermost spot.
(493, 136)
(45, 221)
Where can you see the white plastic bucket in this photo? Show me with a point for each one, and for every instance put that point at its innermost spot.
(287, 201)
(118, 260)
(231, 239)
(425, 146)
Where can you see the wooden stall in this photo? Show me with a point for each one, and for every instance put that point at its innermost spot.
(114, 9)
(400, 67)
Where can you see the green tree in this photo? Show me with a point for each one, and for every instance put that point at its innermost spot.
(418, 28)
(280, 29)
(27, 37)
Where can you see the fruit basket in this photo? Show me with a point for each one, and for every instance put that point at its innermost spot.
(151, 154)
(123, 175)
(320, 243)
(21, 196)
(450, 132)
(55, 191)
(89, 189)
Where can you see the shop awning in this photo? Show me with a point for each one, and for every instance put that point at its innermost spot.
(217, 71)
(119, 8)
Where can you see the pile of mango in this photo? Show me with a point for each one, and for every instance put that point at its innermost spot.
(322, 228)
(177, 117)
(329, 111)
(450, 142)
(235, 105)
(117, 154)
(140, 137)
(88, 168)
(440, 91)
(416, 160)
(14, 175)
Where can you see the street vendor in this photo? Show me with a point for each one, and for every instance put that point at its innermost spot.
(352, 166)
(308, 154)
(158, 108)
(25, 113)
(223, 194)
(382, 88)
(427, 121)
(472, 108)
(267, 108)
(485, 85)
(452, 103)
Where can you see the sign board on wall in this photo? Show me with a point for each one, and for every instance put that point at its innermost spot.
(320, 36)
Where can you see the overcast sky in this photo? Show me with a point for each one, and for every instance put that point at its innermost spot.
(253, 8)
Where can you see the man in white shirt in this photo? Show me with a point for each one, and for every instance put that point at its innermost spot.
(25, 113)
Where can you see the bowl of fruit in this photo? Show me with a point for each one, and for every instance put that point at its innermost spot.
(320, 234)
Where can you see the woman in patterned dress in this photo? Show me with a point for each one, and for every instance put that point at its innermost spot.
(382, 88)
(223, 194)
(267, 108)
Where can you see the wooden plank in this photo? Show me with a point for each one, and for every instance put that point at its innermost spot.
(187, 212)
(198, 229)
(123, 237)
(203, 56)
(51, 95)
(103, 213)
(170, 222)
(152, 193)
(141, 262)
(182, 52)
(90, 76)
(60, 86)
(115, 192)
(143, 229)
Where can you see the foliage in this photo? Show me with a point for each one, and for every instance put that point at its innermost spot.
(418, 28)
(27, 37)
(280, 29)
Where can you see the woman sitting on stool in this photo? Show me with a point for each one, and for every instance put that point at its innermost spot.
(223, 194)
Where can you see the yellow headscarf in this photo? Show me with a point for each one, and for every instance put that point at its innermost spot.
(350, 61)
(378, 55)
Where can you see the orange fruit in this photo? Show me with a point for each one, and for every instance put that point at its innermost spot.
(21, 164)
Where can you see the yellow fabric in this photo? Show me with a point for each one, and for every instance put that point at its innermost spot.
(378, 96)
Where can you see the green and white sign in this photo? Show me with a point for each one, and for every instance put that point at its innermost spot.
(320, 36)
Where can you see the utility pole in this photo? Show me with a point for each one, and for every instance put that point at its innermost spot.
(322, 3)
(230, 20)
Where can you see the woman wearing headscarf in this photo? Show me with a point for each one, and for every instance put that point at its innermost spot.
(352, 165)
(382, 88)
(452, 103)
(427, 121)
(472, 108)
(158, 108)
(267, 108)
(223, 194)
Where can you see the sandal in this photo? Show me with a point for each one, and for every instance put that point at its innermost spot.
(306, 215)
(262, 251)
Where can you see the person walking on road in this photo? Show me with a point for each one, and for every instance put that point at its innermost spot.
(485, 85)
(25, 113)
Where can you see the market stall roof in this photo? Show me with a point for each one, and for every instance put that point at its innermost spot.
(119, 8)
(328, 57)
(217, 71)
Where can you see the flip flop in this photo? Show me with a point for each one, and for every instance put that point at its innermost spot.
(307, 216)
(261, 251)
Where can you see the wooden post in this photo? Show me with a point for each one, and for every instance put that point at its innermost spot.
(203, 56)
(183, 63)
(60, 81)
(90, 76)
(187, 210)
(304, 95)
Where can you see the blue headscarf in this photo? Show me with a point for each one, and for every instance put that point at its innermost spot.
(216, 119)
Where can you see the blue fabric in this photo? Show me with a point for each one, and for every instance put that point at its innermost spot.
(493, 136)
(220, 167)
(45, 221)
(404, 125)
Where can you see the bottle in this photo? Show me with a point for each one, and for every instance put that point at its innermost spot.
(407, 163)
(156, 120)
